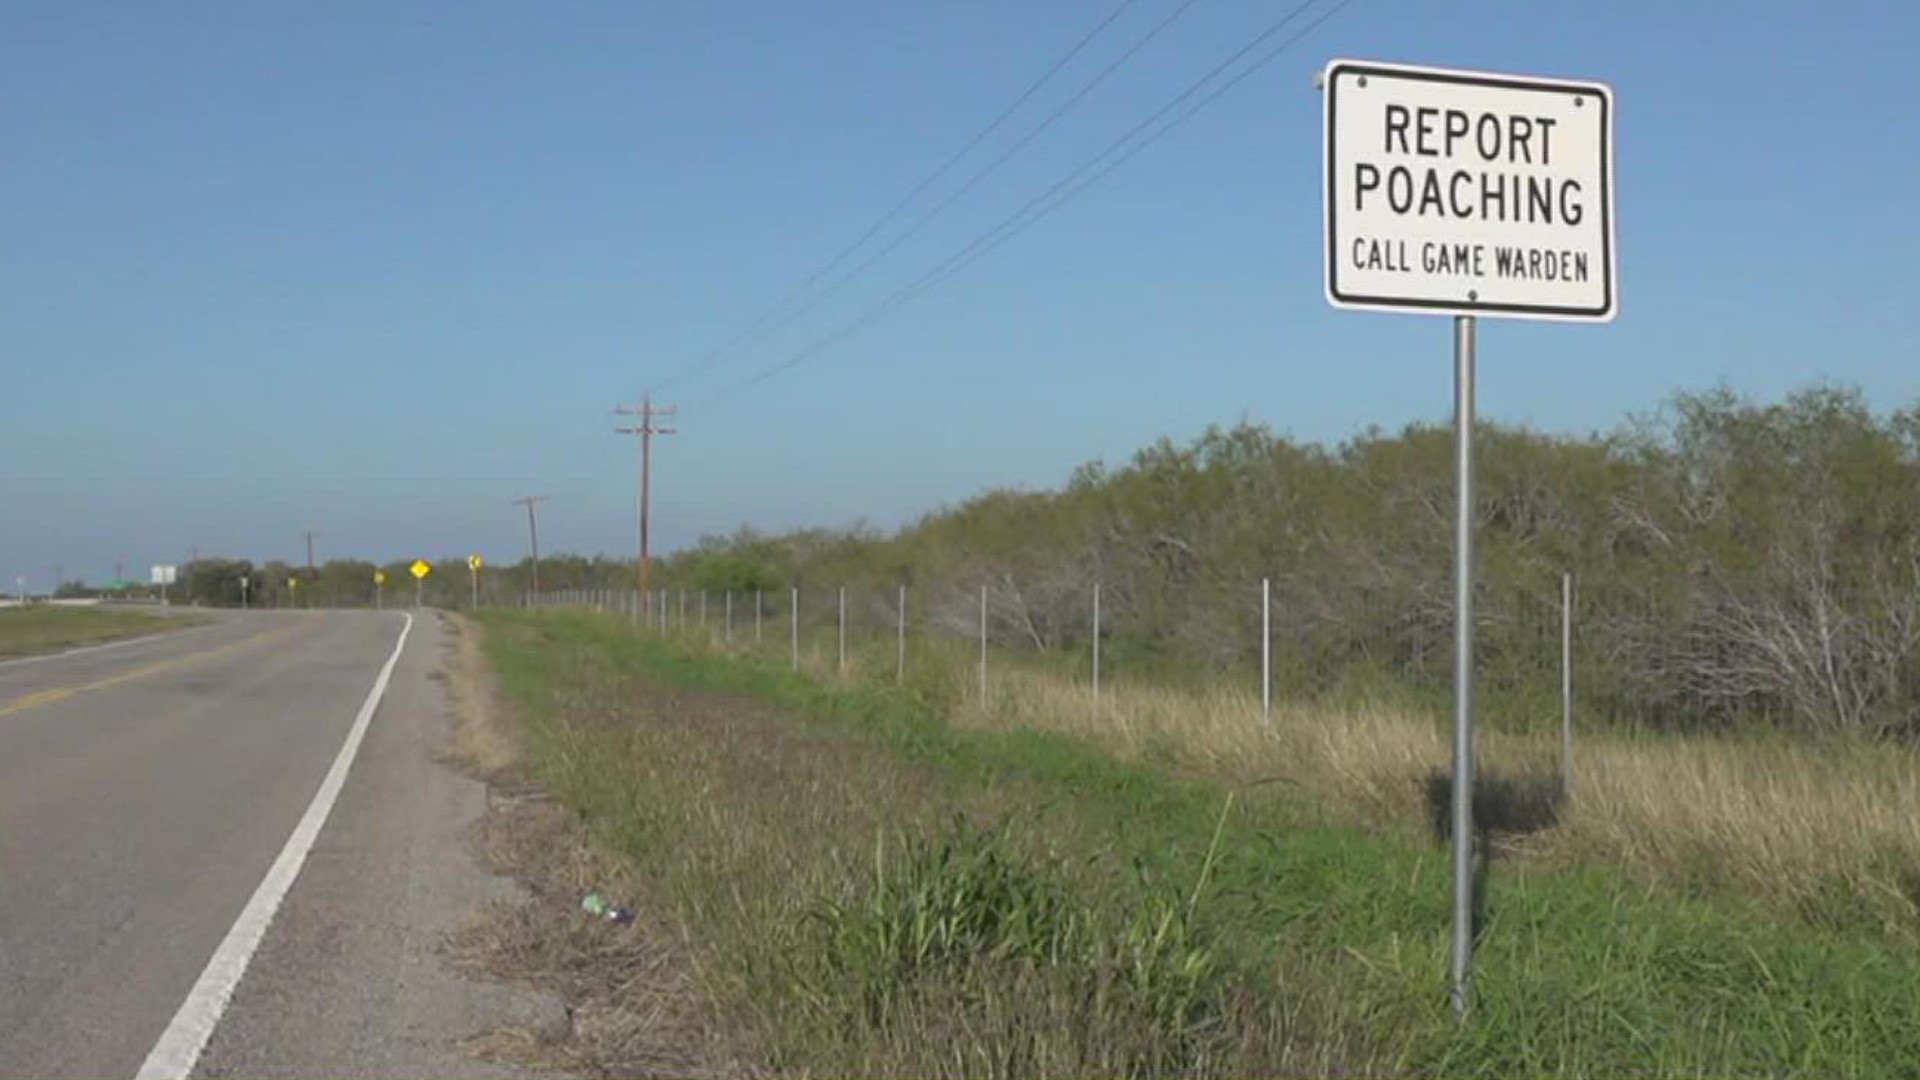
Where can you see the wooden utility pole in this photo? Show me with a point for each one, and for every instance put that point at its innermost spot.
(644, 415)
(311, 573)
(533, 537)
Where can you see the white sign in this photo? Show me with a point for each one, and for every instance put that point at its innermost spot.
(165, 575)
(1469, 193)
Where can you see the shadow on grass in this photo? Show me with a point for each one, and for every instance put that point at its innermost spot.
(1502, 805)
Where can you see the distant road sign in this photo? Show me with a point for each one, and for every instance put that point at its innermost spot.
(165, 575)
(379, 577)
(1469, 193)
(420, 569)
(474, 563)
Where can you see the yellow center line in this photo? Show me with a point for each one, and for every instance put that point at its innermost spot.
(61, 693)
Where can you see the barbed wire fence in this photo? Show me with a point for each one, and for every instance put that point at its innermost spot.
(1283, 645)
(1549, 648)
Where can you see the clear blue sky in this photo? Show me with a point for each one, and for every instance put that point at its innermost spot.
(376, 269)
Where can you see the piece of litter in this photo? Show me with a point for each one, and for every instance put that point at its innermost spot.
(593, 904)
(620, 914)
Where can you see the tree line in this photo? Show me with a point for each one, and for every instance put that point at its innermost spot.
(1736, 561)
(350, 583)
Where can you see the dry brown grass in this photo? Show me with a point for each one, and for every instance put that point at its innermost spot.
(1832, 831)
(632, 1005)
(483, 738)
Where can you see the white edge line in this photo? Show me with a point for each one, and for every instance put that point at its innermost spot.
(174, 1056)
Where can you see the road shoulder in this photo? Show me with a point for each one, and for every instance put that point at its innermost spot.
(629, 981)
(351, 979)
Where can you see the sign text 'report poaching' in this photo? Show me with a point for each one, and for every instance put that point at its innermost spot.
(1469, 193)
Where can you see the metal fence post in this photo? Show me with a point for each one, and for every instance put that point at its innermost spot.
(729, 616)
(1266, 651)
(703, 609)
(900, 666)
(1096, 648)
(757, 605)
(793, 609)
(983, 646)
(1566, 684)
(843, 630)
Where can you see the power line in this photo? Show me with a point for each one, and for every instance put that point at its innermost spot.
(1060, 192)
(989, 169)
(951, 268)
(772, 318)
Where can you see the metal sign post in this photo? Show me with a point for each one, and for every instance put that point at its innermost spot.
(420, 569)
(1463, 357)
(1467, 193)
(243, 592)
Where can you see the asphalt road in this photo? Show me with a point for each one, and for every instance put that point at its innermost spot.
(146, 793)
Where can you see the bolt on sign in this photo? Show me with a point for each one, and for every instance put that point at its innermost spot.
(1469, 193)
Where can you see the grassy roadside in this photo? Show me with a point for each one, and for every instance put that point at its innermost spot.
(869, 888)
(1828, 833)
(43, 628)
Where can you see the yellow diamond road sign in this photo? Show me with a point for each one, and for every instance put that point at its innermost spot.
(420, 569)
(379, 577)
(474, 563)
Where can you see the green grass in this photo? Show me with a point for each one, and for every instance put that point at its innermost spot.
(44, 628)
(872, 890)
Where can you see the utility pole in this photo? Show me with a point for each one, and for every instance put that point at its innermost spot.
(311, 574)
(644, 415)
(533, 537)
